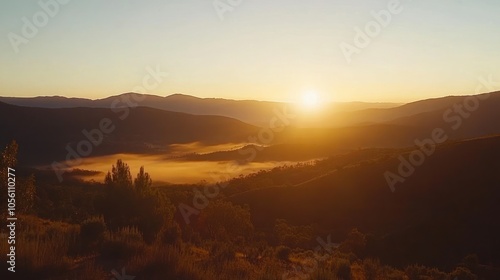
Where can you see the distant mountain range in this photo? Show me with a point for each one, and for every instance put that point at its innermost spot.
(399, 132)
(45, 133)
(253, 112)
(249, 111)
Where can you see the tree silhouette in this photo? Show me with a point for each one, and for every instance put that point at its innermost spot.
(119, 175)
(25, 187)
(26, 192)
(9, 156)
(143, 181)
(224, 221)
(8, 159)
(130, 203)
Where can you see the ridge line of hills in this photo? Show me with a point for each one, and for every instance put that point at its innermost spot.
(148, 130)
(249, 111)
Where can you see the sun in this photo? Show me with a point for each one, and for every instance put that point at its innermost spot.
(310, 100)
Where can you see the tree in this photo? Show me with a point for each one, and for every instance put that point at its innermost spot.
(9, 155)
(24, 187)
(355, 243)
(8, 159)
(134, 204)
(143, 181)
(293, 236)
(26, 192)
(119, 175)
(223, 221)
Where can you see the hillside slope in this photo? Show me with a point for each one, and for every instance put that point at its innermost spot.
(444, 211)
(308, 143)
(44, 134)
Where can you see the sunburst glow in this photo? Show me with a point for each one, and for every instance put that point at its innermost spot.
(310, 100)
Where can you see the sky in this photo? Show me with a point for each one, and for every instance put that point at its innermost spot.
(248, 49)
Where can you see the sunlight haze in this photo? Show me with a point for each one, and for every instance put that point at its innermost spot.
(264, 50)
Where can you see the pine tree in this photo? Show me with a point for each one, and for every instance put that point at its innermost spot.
(119, 176)
(25, 187)
(143, 181)
(7, 159)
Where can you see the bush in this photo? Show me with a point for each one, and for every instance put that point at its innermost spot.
(414, 272)
(418, 272)
(371, 268)
(225, 221)
(355, 243)
(322, 274)
(92, 231)
(462, 273)
(471, 262)
(283, 253)
(170, 235)
(168, 262)
(124, 243)
(89, 271)
(343, 269)
(222, 253)
(391, 273)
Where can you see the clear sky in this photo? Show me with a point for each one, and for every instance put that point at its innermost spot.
(262, 49)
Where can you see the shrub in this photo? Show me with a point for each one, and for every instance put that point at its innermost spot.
(343, 269)
(167, 262)
(225, 221)
(371, 268)
(124, 243)
(322, 274)
(270, 272)
(414, 271)
(462, 273)
(42, 248)
(222, 253)
(283, 253)
(92, 231)
(471, 262)
(89, 271)
(390, 273)
(418, 272)
(293, 236)
(170, 234)
(355, 243)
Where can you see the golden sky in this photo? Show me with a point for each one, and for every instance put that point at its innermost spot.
(265, 50)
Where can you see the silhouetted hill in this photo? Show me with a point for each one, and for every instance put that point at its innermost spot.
(308, 143)
(468, 124)
(378, 115)
(255, 112)
(49, 102)
(249, 111)
(44, 133)
(150, 130)
(444, 211)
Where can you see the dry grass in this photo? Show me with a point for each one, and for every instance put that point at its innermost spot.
(49, 250)
(42, 247)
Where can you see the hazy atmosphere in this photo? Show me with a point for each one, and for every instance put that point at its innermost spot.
(259, 50)
(250, 140)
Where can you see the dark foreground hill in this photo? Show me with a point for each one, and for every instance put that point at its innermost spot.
(446, 209)
(44, 134)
